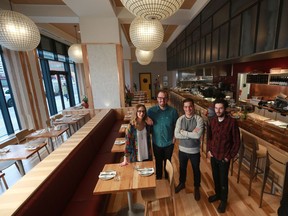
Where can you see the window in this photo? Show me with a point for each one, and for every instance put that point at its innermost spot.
(59, 76)
(9, 121)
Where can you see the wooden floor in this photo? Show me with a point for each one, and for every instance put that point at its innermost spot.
(239, 203)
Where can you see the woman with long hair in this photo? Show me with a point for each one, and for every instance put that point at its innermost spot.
(137, 138)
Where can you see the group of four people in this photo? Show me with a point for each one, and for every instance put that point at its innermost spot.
(162, 121)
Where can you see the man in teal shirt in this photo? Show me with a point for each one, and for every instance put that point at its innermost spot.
(164, 118)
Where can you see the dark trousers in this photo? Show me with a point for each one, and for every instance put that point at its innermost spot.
(161, 155)
(220, 171)
(195, 162)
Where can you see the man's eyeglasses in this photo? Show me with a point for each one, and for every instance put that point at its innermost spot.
(161, 98)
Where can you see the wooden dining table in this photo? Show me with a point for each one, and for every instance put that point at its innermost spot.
(50, 134)
(73, 121)
(19, 152)
(119, 145)
(129, 180)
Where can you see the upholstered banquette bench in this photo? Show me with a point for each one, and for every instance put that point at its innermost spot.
(67, 188)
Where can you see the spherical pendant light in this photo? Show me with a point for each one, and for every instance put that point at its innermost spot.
(75, 50)
(75, 53)
(152, 9)
(143, 62)
(18, 32)
(146, 35)
(144, 56)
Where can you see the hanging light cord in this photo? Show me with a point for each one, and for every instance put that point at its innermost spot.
(76, 33)
(10, 5)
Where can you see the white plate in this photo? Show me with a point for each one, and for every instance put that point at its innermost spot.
(107, 175)
(146, 171)
(5, 150)
(119, 142)
(68, 115)
(30, 148)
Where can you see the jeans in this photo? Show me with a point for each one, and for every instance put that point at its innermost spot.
(220, 171)
(161, 155)
(195, 162)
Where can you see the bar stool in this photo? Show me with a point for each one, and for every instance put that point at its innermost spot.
(275, 170)
(252, 152)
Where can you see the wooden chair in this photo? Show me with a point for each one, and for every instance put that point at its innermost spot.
(4, 180)
(164, 190)
(21, 136)
(252, 152)
(275, 170)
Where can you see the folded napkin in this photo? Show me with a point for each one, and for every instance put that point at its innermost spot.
(146, 171)
(118, 142)
(107, 175)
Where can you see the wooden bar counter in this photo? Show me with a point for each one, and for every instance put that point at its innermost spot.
(266, 132)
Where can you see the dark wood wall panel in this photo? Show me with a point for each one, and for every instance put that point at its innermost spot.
(229, 30)
(208, 48)
(248, 34)
(238, 6)
(215, 45)
(266, 35)
(234, 39)
(283, 30)
(203, 49)
(223, 41)
(221, 16)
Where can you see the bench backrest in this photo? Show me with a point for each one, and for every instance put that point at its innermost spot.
(57, 190)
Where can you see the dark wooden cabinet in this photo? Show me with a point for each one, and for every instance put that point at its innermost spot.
(229, 30)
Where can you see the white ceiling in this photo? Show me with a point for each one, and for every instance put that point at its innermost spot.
(50, 18)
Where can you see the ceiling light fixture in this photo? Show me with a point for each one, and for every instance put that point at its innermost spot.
(75, 50)
(152, 9)
(144, 57)
(146, 35)
(17, 31)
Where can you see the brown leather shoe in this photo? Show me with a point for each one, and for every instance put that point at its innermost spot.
(197, 195)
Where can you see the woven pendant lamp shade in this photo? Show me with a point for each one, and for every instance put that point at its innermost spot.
(18, 32)
(146, 35)
(152, 9)
(75, 53)
(144, 56)
(143, 62)
(75, 50)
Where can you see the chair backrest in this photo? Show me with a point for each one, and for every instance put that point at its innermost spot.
(278, 160)
(21, 136)
(58, 116)
(249, 142)
(170, 171)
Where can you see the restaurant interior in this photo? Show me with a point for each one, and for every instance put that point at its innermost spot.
(72, 72)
